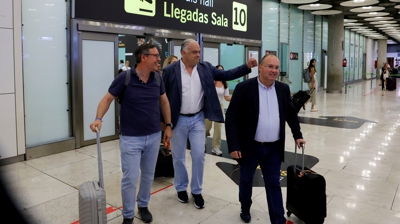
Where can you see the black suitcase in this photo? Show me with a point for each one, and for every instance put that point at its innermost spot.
(164, 165)
(306, 194)
(390, 83)
(300, 98)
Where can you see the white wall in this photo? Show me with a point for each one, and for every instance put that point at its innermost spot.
(12, 135)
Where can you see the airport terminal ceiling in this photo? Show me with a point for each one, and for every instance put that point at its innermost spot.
(372, 18)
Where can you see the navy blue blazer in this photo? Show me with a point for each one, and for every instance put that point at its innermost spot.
(208, 73)
(243, 111)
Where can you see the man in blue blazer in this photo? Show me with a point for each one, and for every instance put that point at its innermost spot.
(255, 131)
(190, 88)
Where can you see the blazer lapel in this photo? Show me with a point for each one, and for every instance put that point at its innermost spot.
(179, 78)
(279, 95)
(256, 97)
(200, 70)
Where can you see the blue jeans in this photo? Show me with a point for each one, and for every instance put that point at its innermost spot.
(270, 162)
(137, 152)
(194, 128)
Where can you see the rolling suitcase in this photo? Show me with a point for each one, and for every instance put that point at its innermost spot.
(390, 83)
(92, 197)
(300, 98)
(306, 194)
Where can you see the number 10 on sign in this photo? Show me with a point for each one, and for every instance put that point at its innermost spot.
(239, 16)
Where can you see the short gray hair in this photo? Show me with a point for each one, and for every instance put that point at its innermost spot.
(186, 43)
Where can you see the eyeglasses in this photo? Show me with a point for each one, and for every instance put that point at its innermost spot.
(270, 66)
(155, 55)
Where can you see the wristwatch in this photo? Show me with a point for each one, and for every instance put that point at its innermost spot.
(170, 124)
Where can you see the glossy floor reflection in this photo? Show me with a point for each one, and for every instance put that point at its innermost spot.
(360, 163)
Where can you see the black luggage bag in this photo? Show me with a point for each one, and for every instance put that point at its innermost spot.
(164, 165)
(300, 98)
(390, 83)
(306, 194)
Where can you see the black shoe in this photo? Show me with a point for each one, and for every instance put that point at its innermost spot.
(183, 197)
(127, 221)
(145, 215)
(198, 201)
(245, 215)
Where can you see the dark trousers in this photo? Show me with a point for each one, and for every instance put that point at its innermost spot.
(270, 163)
(383, 84)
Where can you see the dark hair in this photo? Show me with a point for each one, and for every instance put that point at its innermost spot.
(220, 66)
(225, 84)
(143, 49)
(119, 71)
(310, 65)
(121, 61)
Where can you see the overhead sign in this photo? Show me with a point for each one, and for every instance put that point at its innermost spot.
(239, 18)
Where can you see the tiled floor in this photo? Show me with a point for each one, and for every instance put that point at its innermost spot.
(361, 167)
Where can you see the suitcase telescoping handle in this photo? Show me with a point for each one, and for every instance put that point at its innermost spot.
(295, 156)
(99, 160)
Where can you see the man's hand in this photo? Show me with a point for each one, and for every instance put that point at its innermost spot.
(167, 134)
(95, 124)
(252, 62)
(300, 142)
(236, 154)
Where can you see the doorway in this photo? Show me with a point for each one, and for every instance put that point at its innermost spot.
(97, 68)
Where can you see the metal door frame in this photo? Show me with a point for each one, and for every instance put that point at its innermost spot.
(212, 45)
(77, 82)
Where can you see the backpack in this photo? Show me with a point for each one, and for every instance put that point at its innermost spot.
(306, 75)
(128, 79)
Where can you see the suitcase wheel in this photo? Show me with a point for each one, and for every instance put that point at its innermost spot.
(288, 213)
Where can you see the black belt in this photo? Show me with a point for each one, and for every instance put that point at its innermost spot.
(264, 143)
(190, 115)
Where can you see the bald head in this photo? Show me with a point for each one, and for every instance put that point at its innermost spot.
(266, 57)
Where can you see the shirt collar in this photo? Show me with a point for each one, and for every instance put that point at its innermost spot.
(262, 85)
(183, 65)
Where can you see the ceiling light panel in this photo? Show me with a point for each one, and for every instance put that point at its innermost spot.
(350, 20)
(353, 24)
(326, 12)
(359, 28)
(383, 22)
(373, 14)
(315, 7)
(379, 18)
(367, 9)
(299, 1)
(386, 25)
(358, 3)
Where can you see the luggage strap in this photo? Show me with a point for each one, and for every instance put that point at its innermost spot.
(295, 156)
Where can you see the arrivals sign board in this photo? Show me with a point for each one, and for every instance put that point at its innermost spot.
(233, 18)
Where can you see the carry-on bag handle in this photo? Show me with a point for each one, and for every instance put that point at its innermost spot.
(295, 156)
(99, 160)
